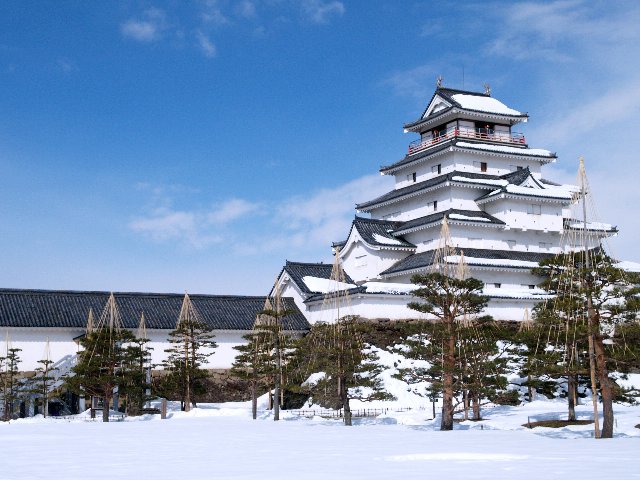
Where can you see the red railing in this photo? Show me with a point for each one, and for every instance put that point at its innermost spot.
(484, 134)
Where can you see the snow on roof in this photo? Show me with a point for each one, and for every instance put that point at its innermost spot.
(590, 226)
(393, 288)
(555, 192)
(488, 181)
(515, 292)
(537, 152)
(628, 266)
(492, 261)
(325, 285)
(484, 104)
(457, 216)
(386, 240)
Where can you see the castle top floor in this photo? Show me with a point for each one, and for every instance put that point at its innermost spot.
(455, 113)
(447, 104)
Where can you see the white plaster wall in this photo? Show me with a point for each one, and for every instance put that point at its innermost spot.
(515, 214)
(363, 263)
(32, 343)
(394, 307)
(289, 289)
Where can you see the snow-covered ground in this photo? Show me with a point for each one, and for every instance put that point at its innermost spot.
(222, 441)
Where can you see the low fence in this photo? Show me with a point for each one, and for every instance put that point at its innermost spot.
(355, 413)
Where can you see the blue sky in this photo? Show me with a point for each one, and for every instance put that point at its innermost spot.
(170, 146)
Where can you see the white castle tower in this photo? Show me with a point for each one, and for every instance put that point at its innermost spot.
(472, 168)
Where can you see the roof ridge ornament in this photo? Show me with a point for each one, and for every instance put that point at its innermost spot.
(487, 88)
(439, 80)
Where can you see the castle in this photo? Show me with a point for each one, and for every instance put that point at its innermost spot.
(469, 168)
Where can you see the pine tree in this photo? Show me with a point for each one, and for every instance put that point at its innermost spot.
(448, 300)
(193, 344)
(9, 378)
(275, 344)
(351, 369)
(100, 367)
(592, 296)
(253, 363)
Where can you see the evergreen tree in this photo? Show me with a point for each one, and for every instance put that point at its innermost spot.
(135, 376)
(42, 382)
(448, 300)
(253, 363)
(100, 367)
(350, 368)
(9, 379)
(275, 344)
(193, 344)
(592, 297)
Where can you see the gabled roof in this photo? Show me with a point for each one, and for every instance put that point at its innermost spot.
(70, 309)
(379, 233)
(474, 257)
(476, 179)
(454, 215)
(298, 270)
(467, 101)
(523, 184)
(417, 188)
(455, 143)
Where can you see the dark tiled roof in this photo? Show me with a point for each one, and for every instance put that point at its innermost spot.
(410, 158)
(518, 178)
(424, 185)
(368, 228)
(447, 94)
(297, 271)
(424, 259)
(436, 217)
(48, 308)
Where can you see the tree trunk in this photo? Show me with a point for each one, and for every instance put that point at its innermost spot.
(447, 378)
(465, 399)
(529, 388)
(254, 400)
(606, 390)
(475, 402)
(105, 409)
(346, 408)
(571, 396)
(276, 389)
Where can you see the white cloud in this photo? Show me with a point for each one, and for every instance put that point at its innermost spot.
(212, 13)
(147, 29)
(232, 210)
(198, 228)
(595, 116)
(418, 82)
(66, 65)
(320, 11)
(247, 9)
(298, 225)
(206, 45)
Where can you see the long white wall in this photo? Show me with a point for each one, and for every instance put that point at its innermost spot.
(32, 343)
(394, 307)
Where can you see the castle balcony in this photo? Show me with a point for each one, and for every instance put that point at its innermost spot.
(483, 134)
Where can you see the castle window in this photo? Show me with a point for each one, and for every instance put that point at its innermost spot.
(497, 285)
(481, 165)
(511, 243)
(534, 209)
(437, 169)
(412, 177)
